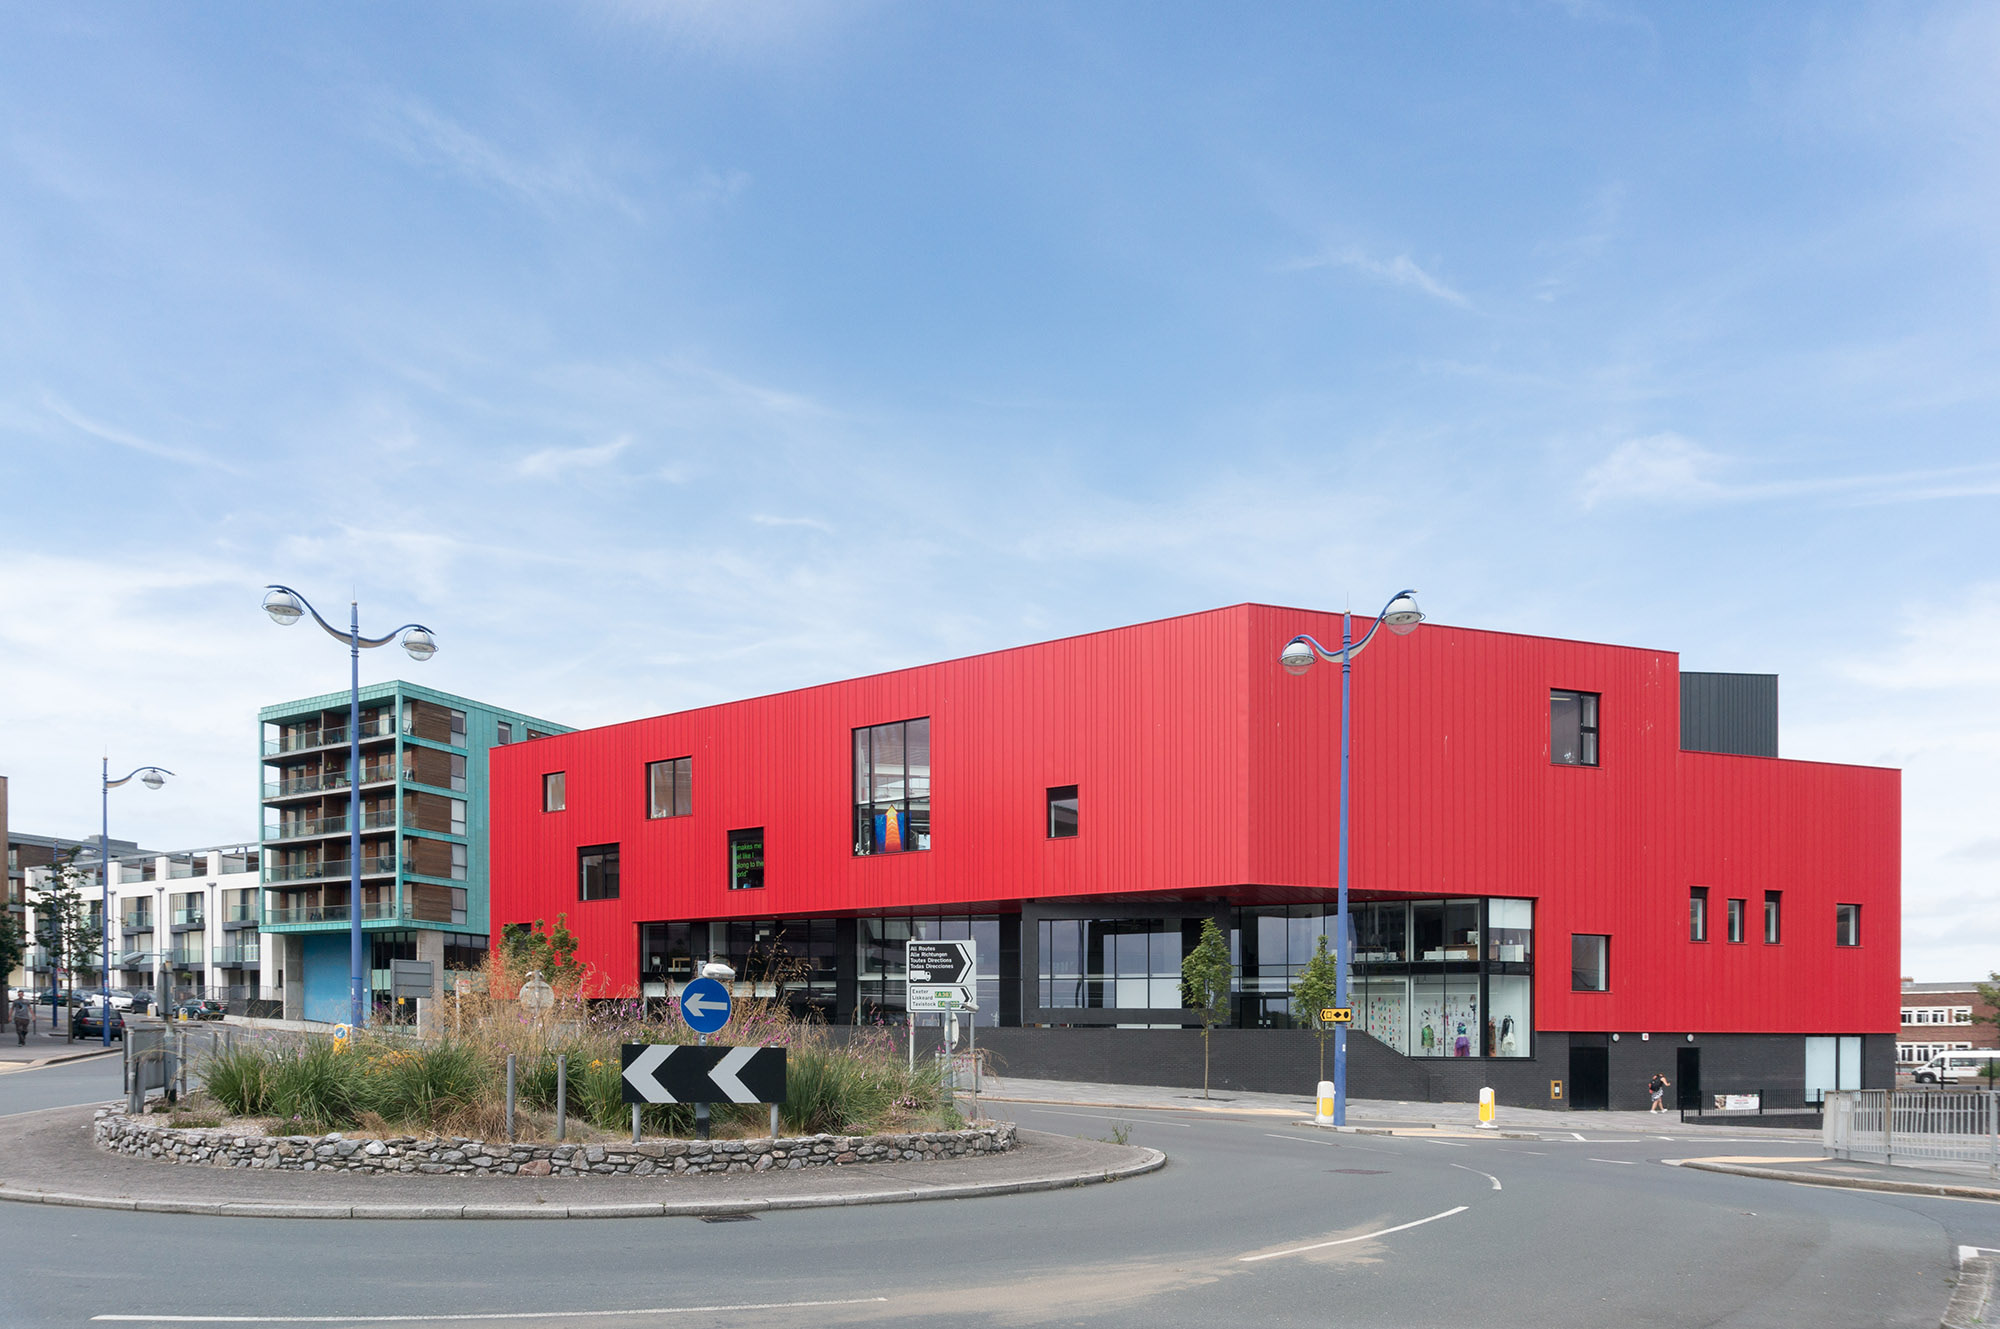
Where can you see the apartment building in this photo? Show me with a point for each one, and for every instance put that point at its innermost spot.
(422, 831)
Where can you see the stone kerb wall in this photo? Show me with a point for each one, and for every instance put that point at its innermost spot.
(449, 1154)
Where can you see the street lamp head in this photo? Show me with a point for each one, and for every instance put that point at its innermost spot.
(419, 644)
(283, 607)
(152, 779)
(1402, 615)
(1297, 657)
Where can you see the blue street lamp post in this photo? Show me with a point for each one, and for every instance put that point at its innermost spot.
(1401, 617)
(152, 777)
(286, 606)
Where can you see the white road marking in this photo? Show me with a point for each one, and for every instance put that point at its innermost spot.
(1452, 1144)
(1538, 1153)
(1348, 1241)
(480, 1315)
(1621, 1162)
(1578, 1138)
(1488, 1175)
(1302, 1139)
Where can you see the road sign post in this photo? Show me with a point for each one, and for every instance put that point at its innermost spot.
(667, 1073)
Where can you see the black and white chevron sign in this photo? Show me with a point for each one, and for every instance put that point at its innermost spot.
(669, 1073)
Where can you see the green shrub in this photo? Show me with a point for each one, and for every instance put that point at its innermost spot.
(239, 1079)
(430, 1083)
(316, 1088)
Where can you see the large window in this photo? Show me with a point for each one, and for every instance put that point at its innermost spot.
(1589, 962)
(458, 729)
(670, 788)
(554, 796)
(1847, 925)
(1771, 919)
(1573, 728)
(597, 872)
(881, 979)
(892, 787)
(1698, 913)
(746, 859)
(1736, 920)
(1115, 963)
(1062, 812)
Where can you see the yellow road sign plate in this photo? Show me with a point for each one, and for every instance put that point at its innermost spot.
(1336, 1015)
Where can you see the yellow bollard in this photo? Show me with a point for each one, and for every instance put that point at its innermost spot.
(1486, 1108)
(1325, 1117)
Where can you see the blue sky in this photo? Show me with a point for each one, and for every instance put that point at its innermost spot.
(658, 354)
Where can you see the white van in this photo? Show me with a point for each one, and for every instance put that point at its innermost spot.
(1951, 1067)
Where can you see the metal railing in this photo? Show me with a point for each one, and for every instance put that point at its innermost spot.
(372, 865)
(1914, 1127)
(277, 916)
(372, 819)
(379, 725)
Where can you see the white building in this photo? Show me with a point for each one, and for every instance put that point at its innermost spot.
(187, 921)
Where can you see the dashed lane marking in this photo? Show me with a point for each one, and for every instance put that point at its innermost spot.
(1621, 1162)
(1349, 1241)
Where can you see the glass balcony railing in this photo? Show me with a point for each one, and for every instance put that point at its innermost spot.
(180, 868)
(278, 915)
(187, 957)
(241, 912)
(235, 957)
(372, 819)
(189, 917)
(328, 781)
(139, 922)
(372, 865)
(379, 725)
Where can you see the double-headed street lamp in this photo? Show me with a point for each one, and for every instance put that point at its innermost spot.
(152, 777)
(286, 606)
(1401, 617)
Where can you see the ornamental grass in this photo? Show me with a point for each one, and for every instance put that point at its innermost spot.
(452, 1080)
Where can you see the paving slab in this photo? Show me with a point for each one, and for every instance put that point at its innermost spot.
(1853, 1174)
(49, 1157)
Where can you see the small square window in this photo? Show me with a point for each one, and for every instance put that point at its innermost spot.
(670, 788)
(597, 872)
(1698, 913)
(1062, 812)
(746, 859)
(1772, 930)
(1573, 728)
(1589, 962)
(1847, 925)
(1736, 920)
(552, 791)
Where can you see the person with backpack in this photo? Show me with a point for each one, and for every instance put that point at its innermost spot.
(1657, 1087)
(23, 1012)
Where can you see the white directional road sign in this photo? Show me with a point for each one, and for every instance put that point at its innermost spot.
(943, 975)
(665, 1073)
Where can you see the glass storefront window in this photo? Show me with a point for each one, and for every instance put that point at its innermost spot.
(1111, 963)
(1509, 997)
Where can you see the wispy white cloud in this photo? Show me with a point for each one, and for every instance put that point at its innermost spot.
(126, 439)
(1402, 270)
(1943, 643)
(554, 463)
(766, 519)
(1670, 469)
(426, 136)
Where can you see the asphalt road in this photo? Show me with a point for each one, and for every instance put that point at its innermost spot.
(1254, 1222)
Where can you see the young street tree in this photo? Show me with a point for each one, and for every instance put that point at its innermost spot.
(1205, 983)
(1317, 989)
(64, 924)
(537, 946)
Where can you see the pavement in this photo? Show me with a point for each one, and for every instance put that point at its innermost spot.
(46, 1048)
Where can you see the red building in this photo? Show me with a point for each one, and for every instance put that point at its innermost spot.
(1566, 857)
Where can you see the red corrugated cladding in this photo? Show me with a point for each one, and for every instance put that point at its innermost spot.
(1204, 769)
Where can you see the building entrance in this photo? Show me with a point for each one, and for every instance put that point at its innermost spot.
(1589, 1079)
(1687, 1078)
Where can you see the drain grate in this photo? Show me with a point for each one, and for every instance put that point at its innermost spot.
(729, 1218)
(1359, 1171)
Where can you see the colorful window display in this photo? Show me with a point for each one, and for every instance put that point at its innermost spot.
(1445, 978)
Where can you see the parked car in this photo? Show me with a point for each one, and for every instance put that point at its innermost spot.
(88, 1022)
(125, 1001)
(198, 1008)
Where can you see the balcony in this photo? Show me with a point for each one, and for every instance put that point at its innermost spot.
(237, 957)
(328, 782)
(376, 865)
(182, 868)
(305, 828)
(380, 725)
(280, 916)
(141, 921)
(133, 960)
(187, 957)
(190, 916)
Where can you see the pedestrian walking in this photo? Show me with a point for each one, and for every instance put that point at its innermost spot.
(1657, 1087)
(23, 1012)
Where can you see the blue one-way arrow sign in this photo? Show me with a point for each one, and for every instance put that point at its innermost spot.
(705, 1006)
